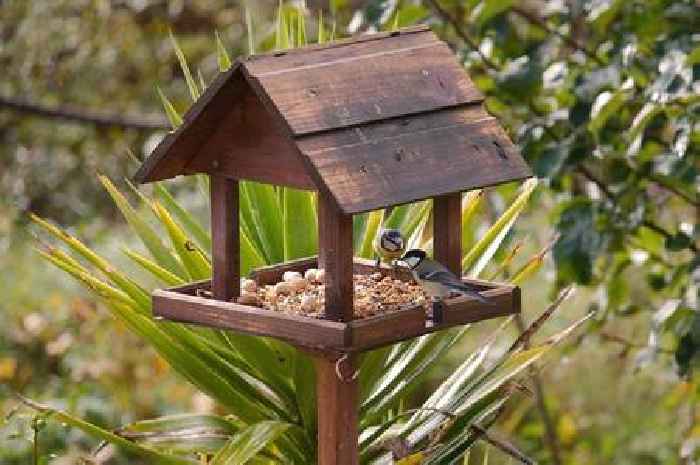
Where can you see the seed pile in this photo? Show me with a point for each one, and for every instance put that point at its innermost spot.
(298, 294)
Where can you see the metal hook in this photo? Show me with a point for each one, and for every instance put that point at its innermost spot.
(339, 373)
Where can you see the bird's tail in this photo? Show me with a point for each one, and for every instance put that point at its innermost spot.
(466, 290)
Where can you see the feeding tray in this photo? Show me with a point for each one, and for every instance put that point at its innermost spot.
(189, 304)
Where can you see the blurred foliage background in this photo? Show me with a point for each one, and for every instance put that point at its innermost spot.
(601, 96)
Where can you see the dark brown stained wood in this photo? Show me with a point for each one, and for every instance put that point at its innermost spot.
(212, 313)
(226, 257)
(409, 159)
(310, 56)
(447, 231)
(335, 256)
(337, 412)
(296, 54)
(247, 143)
(463, 310)
(178, 147)
(193, 287)
(366, 266)
(370, 122)
(364, 82)
(328, 338)
(387, 328)
(272, 274)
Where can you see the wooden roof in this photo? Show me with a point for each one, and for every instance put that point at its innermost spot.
(374, 121)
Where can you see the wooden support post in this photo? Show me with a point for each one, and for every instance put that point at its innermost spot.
(336, 386)
(225, 282)
(335, 256)
(337, 411)
(447, 231)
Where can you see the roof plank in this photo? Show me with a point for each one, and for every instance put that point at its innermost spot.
(410, 159)
(363, 82)
(370, 122)
(248, 144)
(179, 146)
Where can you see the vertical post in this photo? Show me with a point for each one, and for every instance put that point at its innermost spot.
(336, 386)
(335, 256)
(225, 282)
(447, 231)
(337, 412)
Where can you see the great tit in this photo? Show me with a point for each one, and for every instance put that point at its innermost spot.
(436, 280)
(389, 245)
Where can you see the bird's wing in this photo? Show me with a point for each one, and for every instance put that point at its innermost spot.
(441, 276)
(448, 279)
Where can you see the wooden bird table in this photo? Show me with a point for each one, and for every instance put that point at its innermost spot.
(368, 123)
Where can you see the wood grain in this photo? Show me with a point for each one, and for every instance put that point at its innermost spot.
(295, 56)
(335, 256)
(337, 407)
(371, 122)
(383, 329)
(405, 160)
(447, 231)
(248, 143)
(178, 147)
(329, 338)
(212, 313)
(369, 84)
(226, 256)
(461, 310)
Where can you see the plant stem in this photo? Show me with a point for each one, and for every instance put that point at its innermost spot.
(551, 438)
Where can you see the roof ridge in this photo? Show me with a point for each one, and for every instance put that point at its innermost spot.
(348, 59)
(338, 43)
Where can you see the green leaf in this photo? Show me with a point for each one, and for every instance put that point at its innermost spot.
(300, 228)
(282, 29)
(693, 57)
(162, 274)
(484, 249)
(170, 111)
(264, 218)
(188, 221)
(321, 29)
(249, 29)
(192, 257)
(488, 9)
(579, 244)
(126, 284)
(147, 453)
(150, 238)
(186, 433)
(191, 84)
(372, 227)
(678, 242)
(606, 105)
(222, 57)
(305, 389)
(249, 442)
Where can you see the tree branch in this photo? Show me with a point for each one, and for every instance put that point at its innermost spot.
(663, 184)
(77, 115)
(539, 22)
(448, 18)
(608, 193)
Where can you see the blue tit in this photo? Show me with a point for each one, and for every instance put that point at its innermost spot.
(389, 245)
